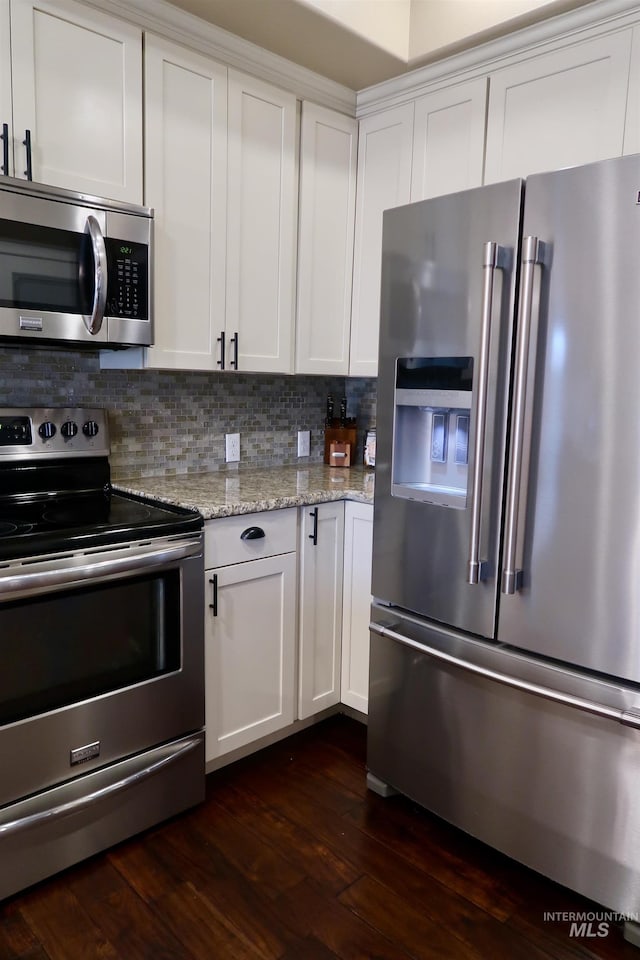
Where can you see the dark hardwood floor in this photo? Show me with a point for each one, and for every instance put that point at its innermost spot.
(292, 858)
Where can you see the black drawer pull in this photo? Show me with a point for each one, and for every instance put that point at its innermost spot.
(5, 149)
(214, 606)
(314, 536)
(252, 533)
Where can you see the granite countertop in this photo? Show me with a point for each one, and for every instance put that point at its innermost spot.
(219, 494)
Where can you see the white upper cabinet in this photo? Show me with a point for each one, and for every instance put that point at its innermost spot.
(328, 150)
(632, 122)
(558, 109)
(77, 87)
(185, 177)
(6, 110)
(261, 225)
(448, 140)
(384, 180)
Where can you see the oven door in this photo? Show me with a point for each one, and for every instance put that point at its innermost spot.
(101, 658)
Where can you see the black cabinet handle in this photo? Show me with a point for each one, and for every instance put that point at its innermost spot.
(214, 583)
(234, 341)
(220, 362)
(314, 536)
(5, 149)
(27, 144)
(252, 533)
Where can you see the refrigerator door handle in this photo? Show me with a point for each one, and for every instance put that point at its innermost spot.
(629, 717)
(494, 258)
(532, 256)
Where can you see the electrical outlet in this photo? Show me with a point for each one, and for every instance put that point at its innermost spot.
(304, 443)
(232, 447)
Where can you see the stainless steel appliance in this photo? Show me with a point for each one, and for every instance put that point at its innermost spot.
(101, 649)
(74, 269)
(505, 634)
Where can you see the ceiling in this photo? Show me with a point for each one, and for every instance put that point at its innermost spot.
(362, 42)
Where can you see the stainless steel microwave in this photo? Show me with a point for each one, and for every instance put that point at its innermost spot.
(74, 269)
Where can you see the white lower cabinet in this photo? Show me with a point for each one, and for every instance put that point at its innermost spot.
(250, 628)
(358, 543)
(287, 595)
(320, 606)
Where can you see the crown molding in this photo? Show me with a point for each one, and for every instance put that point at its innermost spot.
(172, 23)
(591, 20)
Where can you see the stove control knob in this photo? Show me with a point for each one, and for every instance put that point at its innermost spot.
(69, 429)
(90, 428)
(47, 430)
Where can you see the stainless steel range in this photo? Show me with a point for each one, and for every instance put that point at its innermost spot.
(101, 649)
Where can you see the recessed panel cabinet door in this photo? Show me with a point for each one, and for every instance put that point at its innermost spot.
(186, 168)
(77, 86)
(358, 547)
(328, 150)
(261, 232)
(448, 140)
(6, 112)
(250, 635)
(560, 109)
(384, 180)
(321, 564)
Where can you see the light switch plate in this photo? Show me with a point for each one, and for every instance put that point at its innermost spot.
(304, 443)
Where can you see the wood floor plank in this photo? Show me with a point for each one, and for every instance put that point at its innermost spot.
(299, 845)
(338, 928)
(244, 906)
(134, 929)
(17, 939)
(62, 926)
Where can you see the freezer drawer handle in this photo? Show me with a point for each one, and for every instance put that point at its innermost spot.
(629, 717)
(533, 251)
(494, 258)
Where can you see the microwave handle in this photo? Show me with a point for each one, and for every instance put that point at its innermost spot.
(94, 322)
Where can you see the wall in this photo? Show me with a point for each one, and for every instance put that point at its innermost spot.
(172, 422)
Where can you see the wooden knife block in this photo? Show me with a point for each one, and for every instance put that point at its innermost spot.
(340, 435)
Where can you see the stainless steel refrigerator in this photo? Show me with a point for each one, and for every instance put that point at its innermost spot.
(505, 635)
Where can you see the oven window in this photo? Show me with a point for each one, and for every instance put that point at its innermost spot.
(60, 649)
(42, 268)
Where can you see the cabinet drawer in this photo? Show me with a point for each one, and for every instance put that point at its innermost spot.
(223, 543)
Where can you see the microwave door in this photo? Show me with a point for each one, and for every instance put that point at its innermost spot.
(93, 275)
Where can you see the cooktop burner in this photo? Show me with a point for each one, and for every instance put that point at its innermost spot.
(55, 487)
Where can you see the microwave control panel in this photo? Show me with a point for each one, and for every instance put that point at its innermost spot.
(128, 266)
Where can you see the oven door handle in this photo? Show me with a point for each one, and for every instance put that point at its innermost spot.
(76, 571)
(170, 755)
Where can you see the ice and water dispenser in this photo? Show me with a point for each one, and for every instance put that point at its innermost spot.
(431, 429)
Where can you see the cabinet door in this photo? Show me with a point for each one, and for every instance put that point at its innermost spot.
(262, 210)
(632, 121)
(77, 86)
(358, 545)
(384, 180)
(559, 109)
(448, 140)
(321, 565)
(328, 147)
(249, 651)
(6, 113)
(185, 177)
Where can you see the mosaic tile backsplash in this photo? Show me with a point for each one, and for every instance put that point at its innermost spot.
(168, 422)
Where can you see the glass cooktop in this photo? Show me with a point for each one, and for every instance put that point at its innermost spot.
(60, 523)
